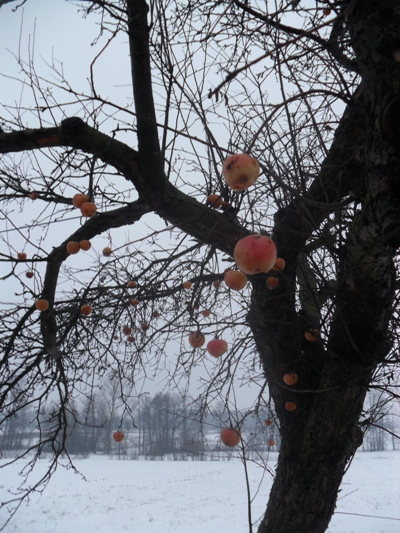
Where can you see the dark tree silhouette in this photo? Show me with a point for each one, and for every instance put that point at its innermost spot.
(311, 91)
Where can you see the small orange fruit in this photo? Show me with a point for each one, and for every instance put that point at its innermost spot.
(34, 196)
(268, 422)
(206, 313)
(271, 442)
(291, 378)
(85, 245)
(86, 309)
(132, 283)
(291, 406)
(73, 247)
(29, 274)
(312, 335)
(187, 285)
(134, 302)
(144, 326)
(235, 279)
(88, 209)
(79, 199)
(22, 256)
(279, 264)
(42, 305)
(216, 284)
(272, 282)
(230, 436)
(127, 330)
(214, 200)
(107, 251)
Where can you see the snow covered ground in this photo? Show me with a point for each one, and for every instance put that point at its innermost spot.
(200, 497)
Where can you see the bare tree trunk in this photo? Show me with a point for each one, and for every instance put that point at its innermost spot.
(315, 450)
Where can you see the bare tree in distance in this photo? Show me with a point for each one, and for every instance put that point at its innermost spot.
(313, 93)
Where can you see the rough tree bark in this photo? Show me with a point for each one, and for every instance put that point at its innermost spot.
(322, 434)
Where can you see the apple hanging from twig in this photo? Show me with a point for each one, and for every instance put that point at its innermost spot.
(240, 171)
(255, 253)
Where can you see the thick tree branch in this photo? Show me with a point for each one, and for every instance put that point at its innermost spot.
(204, 224)
(151, 163)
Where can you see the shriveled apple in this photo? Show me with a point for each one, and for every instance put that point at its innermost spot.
(312, 335)
(230, 437)
(73, 247)
(187, 285)
(22, 256)
(88, 209)
(240, 171)
(107, 251)
(235, 279)
(272, 282)
(217, 347)
(196, 339)
(85, 245)
(255, 253)
(79, 199)
(279, 264)
(214, 200)
(206, 313)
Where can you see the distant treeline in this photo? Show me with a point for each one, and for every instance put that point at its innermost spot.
(163, 425)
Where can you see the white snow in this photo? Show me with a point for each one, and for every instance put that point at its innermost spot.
(200, 497)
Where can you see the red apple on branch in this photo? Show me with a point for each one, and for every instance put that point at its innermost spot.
(255, 253)
(118, 436)
(230, 437)
(217, 347)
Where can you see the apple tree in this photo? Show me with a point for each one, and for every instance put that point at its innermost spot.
(311, 90)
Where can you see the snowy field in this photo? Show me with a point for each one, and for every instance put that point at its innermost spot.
(200, 497)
